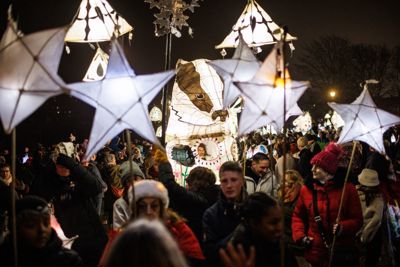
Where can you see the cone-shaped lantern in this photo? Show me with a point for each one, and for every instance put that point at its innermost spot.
(98, 67)
(96, 21)
(256, 27)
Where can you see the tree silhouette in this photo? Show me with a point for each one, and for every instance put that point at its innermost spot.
(334, 63)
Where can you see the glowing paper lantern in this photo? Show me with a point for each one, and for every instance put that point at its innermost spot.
(197, 117)
(336, 120)
(257, 28)
(96, 21)
(364, 121)
(28, 72)
(155, 114)
(303, 123)
(241, 68)
(98, 67)
(121, 100)
(264, 97)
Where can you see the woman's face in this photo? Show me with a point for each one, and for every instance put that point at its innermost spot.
(35, 231)
(270, 227)
(5, 174)
(320, 174)
(149, 208)
(201, 151)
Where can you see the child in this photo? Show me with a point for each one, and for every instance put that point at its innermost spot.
(37, 243)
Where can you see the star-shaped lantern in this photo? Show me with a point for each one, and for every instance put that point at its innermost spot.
(121, 100)
(364, 121)
(28, 72)
(264, 96)
(96, 21)
(241, 68)
(171, 17)
(257, 28)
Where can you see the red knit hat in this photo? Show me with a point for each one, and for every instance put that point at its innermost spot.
(328, 159)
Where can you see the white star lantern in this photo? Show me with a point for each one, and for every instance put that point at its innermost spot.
(257, 28)
(241, 68)
(96, 21)
(121, 100)
(364, 121)
(28, 72)
(264, 97)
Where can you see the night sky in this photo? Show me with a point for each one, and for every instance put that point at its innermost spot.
(367, 21)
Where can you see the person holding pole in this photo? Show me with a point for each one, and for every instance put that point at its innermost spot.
(328, 209)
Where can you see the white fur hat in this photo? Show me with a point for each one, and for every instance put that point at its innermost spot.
(150, 188)
(368, 177)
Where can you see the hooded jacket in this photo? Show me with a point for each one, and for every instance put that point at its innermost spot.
(53, 254)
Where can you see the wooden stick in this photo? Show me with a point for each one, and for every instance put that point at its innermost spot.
(341, 202)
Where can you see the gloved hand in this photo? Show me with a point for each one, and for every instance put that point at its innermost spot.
(66, 161)
(307, 242)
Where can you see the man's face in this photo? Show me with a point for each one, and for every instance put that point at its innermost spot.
(149, 208)
(35, 232)
(231, 184)
(270, 227)
(260, 167)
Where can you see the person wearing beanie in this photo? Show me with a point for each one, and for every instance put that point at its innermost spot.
(71, 188)
(121, 210)
(37, 243)
(190, 202)
(372, 206)
(152, 202)
(316, 233)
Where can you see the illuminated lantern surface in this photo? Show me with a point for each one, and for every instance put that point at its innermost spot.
(28, 72)
(363, 121)
(96, 21)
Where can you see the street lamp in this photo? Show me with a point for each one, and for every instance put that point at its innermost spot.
(332, 93)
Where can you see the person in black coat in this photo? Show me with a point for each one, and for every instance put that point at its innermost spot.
(305, 156)
(221, 219)
(37, 243)
(70, 188)
(191, 203)
(262, 229)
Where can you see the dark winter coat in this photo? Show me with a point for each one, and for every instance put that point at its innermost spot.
(219, 221)
(53, 254)
(304, 165)
(189, 204)
(74, 210)
(267, 253)
(328, 197)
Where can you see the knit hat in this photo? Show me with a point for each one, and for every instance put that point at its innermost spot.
(302, 141)
(125, 169)
(31, 204)
(151, 188)
(328, 159)
(368, 177)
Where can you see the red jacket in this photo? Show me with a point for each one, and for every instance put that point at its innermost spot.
(303, 223)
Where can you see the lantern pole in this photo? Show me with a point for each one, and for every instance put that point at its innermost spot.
(13, 195)
(167, 66)
(282, 51)
(332, 251)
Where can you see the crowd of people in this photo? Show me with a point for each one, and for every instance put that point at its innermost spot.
(290, 200)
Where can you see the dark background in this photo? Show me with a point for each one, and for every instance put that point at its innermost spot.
(369, 22)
